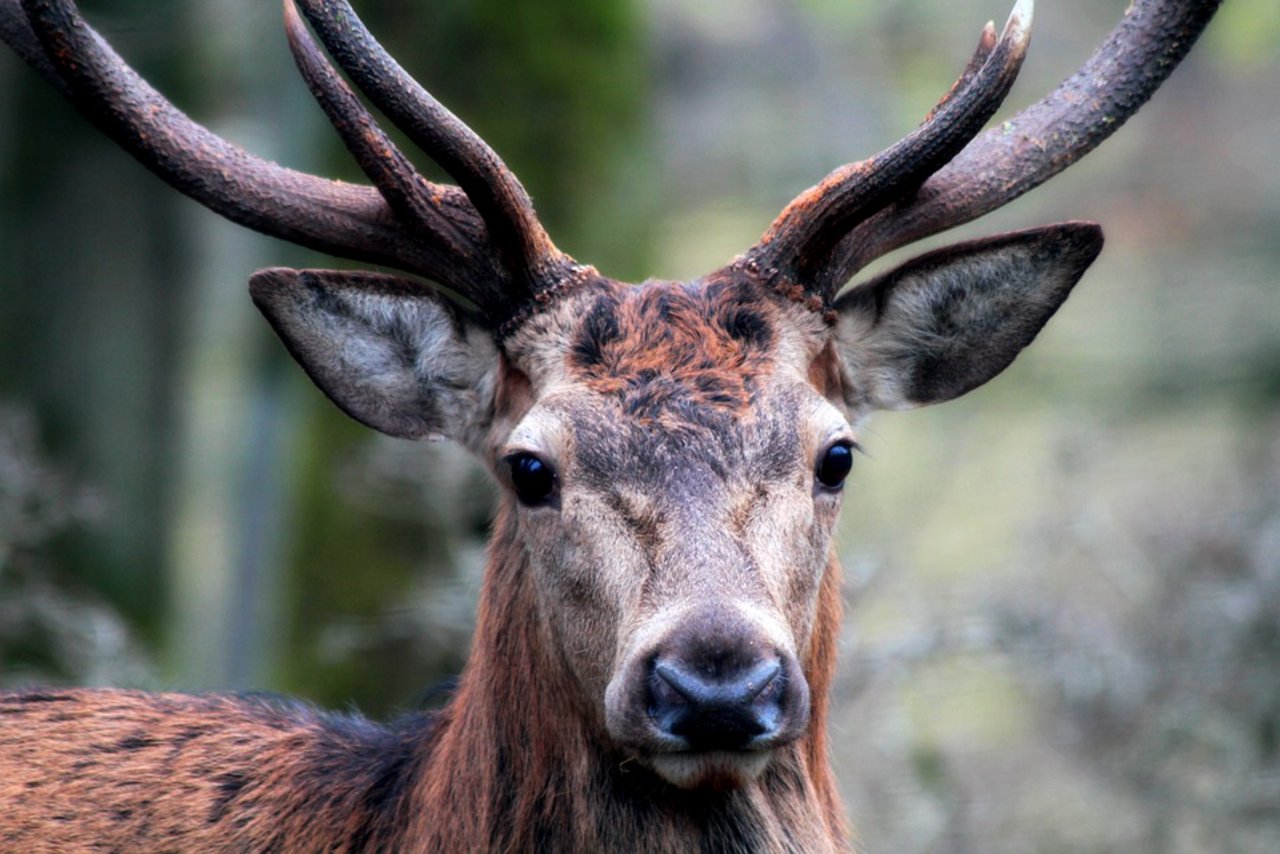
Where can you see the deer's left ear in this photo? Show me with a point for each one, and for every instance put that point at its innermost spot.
(945, 323)
(391, 353)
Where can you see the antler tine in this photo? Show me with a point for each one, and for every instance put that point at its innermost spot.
(409, 195)
(529, 256)
(986, 44)
(800, 240)
(17, 34)
(331, 216)
(1043, 139)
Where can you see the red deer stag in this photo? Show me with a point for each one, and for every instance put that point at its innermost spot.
(659, 614)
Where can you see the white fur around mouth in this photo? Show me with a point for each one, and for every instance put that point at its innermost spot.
(719, 769)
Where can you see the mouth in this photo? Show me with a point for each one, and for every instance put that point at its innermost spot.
(716, 770)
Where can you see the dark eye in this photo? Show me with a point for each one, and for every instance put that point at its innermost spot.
(834, 465)
(533, 479)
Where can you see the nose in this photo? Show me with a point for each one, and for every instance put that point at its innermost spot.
(715, 681)
(718, 703)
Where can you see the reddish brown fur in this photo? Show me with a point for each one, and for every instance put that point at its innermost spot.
(127, 771)
(514, 394)
(708, 348)
(825, 374)
(820, 668)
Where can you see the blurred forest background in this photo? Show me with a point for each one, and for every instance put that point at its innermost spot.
(1063, 591)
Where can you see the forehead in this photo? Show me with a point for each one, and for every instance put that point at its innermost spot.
(605, 333)
(675, 352)
(662, 376)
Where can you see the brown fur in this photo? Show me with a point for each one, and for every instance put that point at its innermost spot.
(664, 343)
(127, 771)
(825, 375)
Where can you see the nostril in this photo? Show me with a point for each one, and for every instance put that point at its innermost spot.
(715, 709)
(764, 679)
(678, 683)
(665, 689)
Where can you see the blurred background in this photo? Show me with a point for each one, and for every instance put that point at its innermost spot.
(1063, 591)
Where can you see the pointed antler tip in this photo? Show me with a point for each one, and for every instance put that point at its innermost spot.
(292, 19)
(1019, 24)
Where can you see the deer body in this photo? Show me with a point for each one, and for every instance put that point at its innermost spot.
(658, 621)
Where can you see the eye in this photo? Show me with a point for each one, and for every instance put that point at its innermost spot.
(834, 464)
(534, 480)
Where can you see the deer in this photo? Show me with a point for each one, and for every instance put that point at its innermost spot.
(657, 627)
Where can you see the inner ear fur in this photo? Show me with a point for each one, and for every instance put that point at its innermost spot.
(946, 322)
(390, 352)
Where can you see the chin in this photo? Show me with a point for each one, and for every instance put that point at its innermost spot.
(715, 770)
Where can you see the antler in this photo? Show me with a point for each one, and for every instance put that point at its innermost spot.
(482, 240)
(861, 212)
(528, 253)
(802, 237)
(1042, 140)
(410, 196)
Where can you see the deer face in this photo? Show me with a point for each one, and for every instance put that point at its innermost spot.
(664, 473)
(673, 456)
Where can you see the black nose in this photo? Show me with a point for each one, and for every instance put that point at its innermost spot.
(720, 706)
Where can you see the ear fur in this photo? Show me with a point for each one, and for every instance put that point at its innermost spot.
(945, 323)
(390, 352)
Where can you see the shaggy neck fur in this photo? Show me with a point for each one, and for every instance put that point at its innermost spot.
(520, 762)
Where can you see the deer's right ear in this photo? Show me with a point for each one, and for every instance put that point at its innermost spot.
(393, 354)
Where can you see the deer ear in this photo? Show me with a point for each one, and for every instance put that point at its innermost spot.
(945, 323)
(391, 353)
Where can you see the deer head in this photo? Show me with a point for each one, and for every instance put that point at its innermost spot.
(672, 453)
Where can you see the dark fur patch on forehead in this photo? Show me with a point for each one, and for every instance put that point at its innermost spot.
(664, 349)
(689, 450)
